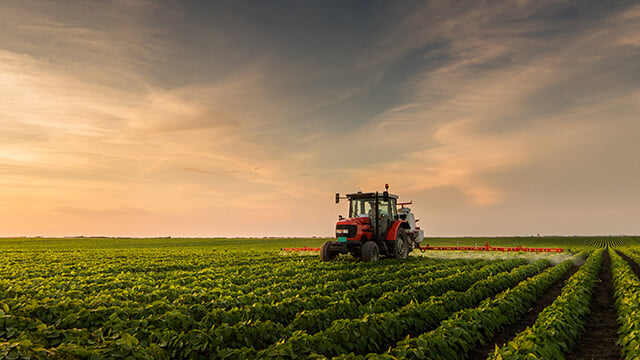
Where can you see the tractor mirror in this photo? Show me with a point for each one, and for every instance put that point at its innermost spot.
(337, 198)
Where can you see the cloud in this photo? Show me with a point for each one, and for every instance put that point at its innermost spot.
(208, 172)
(504, 103)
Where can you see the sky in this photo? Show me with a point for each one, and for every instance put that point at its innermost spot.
(244, 118)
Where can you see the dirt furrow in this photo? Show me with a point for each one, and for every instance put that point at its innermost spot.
(528, 319)
(599, 339)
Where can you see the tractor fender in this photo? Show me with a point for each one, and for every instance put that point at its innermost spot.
(393, 230)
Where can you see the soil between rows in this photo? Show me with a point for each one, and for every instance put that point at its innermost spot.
(600, 336)
(528, 319)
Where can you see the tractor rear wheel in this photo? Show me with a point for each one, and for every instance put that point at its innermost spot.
(370, 251)
(325, 252)
(402, 245)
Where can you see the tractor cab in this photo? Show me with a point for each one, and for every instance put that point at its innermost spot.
(373, 228)
(377, 210)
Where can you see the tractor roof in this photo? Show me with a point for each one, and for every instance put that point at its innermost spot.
(369, 195)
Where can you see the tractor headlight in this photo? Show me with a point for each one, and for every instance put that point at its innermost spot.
(342, 231)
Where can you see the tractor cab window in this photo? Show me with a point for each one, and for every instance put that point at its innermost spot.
(394, 208)
(388, 209)
(383, 208)
(360, 208)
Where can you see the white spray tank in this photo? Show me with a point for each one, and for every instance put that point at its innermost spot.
(415, 232)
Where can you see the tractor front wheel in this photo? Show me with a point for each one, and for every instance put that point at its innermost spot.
(370, 251)
(325, 251)
(401, 245)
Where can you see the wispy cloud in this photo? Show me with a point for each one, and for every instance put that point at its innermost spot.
(504, 100)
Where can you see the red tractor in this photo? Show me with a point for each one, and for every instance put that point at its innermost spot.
(375, 227)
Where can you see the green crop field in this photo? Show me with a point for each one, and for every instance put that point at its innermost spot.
(167, 298)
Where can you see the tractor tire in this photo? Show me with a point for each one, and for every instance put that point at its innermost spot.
(325, 252)
(370, 252)
(401, 247)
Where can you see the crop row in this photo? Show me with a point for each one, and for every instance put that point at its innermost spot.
(173, 285)
(200, 304)
(161, 317)
(164, 326)
(26, 265)
(473, 326)
(561, 324)
(64, 313)
(69, 283)
(158, 335)
(603, 242)
(345, 308)
(627, 298)
(375, 332)
(183, 317)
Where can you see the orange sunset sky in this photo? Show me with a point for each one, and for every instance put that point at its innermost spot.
(244, 118)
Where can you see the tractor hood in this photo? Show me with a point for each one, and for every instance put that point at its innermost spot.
(355, 221)
(354, 229)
